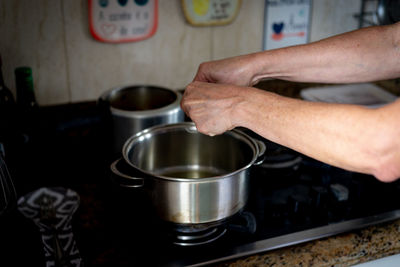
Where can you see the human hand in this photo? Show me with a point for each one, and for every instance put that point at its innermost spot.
(212, 106)
(236, 70)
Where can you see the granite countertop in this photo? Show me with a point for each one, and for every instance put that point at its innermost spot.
(347, 249)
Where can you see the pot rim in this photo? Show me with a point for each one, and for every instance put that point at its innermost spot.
(190, 126)
(173, 107)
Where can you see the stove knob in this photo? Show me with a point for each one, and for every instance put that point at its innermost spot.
(340, 192)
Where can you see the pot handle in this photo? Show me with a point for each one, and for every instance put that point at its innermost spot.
(129, 181)
(261, 151)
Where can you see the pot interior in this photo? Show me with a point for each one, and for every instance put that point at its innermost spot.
(177, 152)
(138, 98)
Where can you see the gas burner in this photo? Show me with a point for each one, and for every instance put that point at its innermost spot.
(195, 234)
(242, 222)
(288, 162)
(280, 157)
(197, 238)
(277, 157)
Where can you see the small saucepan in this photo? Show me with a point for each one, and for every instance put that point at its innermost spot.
(191, 178)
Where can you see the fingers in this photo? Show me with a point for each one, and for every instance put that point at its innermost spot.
(188, 100)
(206, 72)
(201, 74)
(208, 106)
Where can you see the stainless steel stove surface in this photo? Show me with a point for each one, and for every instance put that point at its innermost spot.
(293, 199)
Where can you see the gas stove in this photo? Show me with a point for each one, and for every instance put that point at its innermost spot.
(293, 199)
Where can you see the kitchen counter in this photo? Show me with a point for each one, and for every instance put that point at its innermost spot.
(342, 250)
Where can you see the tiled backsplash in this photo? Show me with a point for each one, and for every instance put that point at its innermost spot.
(68, 65)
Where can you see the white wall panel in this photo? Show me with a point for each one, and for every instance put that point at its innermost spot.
(69, 65)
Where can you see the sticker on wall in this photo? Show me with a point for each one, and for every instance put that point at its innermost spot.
(286, 23)
(210, 12)
(117, 21)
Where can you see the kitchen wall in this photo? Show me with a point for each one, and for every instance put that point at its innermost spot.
(52, 36)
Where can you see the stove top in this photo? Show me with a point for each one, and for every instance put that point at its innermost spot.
(310, 201)
(292, 199)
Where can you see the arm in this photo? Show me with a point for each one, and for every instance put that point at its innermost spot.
(347, 136)
(368, 54)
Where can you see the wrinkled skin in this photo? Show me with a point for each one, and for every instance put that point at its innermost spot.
(347, 136)
(212, 106)
(233, 71)
(215, 93)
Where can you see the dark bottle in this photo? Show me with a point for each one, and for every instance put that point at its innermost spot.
(6, 97)
(26, 99)
(7, 104)
(7, 117)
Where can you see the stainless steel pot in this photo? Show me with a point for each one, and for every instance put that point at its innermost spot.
(191, 178)
(388, 11)
(135, 108)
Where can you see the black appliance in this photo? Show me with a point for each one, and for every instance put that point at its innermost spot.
(293, 199)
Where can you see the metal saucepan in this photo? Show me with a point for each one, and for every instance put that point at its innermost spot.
(191, 178)
(388, 11)
(135, 108)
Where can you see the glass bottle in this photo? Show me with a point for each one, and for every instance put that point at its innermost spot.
(27, 107)
(7, 116)
(6, 97)
(26, 99)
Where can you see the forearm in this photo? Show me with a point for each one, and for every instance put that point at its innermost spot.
(346, 136)
(368, 54)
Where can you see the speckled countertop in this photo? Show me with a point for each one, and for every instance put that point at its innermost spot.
(347, 249)
(342, 250)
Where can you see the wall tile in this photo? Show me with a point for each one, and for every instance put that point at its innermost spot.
(333, 17)
(32, 35)
(244, 35)
(169, 58)
(69, 65)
